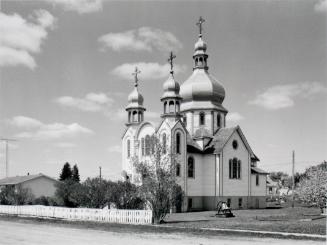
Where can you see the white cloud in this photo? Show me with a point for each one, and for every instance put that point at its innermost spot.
(38, 130)
(20, 39)
(115, 149)
(92, 102)
(283, 96)
(65, 145)
(80, 6)
(142, 39)
(321, 6)
(149, 71)
(25, 122)
(234, 117)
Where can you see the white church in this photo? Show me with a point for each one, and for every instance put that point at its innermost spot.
(215, 162)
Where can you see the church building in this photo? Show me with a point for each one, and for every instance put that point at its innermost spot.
(215, 162)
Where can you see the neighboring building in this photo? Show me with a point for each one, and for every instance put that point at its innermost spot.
(272, 187)
(39, 184)
(214, 162)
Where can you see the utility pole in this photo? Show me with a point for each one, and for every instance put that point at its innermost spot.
(6, 140)
(293, 180)
(100, 174)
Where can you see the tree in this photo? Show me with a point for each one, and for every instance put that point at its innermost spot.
(75, 173)
(93, 193)
(15, 195)
(66, 172)
(312, 187)
(69, 193)
(157, 178)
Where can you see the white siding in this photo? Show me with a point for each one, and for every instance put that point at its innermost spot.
(41, 186)
(259, 190)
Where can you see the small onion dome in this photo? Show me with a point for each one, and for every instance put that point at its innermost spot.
(201, 86)
(170, 87)
(135, 99)
(200, 45)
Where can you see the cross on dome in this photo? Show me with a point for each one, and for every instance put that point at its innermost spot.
(199, 23)
(135, 73)
(171, 61)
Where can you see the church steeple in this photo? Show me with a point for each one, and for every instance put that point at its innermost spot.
(171, 98)
(200, 57)
(135, 107)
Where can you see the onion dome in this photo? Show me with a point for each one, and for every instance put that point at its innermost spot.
(135, 99)
(200, 46)
(201, 86)
(171, 88)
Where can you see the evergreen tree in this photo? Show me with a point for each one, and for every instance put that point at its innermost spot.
(75, 174)
(66, 172)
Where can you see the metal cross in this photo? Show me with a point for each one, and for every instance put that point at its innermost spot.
(171, 60)
(137, 71)
(201, 21)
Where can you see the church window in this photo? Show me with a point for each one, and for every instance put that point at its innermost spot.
(128, 148)
(177, 106)
(257, 179)
(201, 61)
(140, 116)
(171, 107)
(152, 143)
(218, 121)
(234, 168)
(190, 167)
(240, 203)
(129, 116)
(134, 116)
(178, 170)
(178, 143)
(202, 118)
(142, 146)
(235, 144)
(164, 143)
(147, 145)
(165, 107)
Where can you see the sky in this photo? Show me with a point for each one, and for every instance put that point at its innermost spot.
(66, 73)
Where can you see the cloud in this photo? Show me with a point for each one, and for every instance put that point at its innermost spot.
(20, 39)
(321, 6)
(142, 39)
(25, 122)
(65, 145)
(283, 96)
(92, 102)
(42, 131)
(79, 6)
(149, 71)
(234, 117)
(115, 149)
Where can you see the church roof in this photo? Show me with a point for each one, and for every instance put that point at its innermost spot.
(258, 170)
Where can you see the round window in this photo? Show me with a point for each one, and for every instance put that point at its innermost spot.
(235, 144)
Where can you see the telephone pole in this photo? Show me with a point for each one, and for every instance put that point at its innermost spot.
(100, 174)
(7, 140)
(293, 181)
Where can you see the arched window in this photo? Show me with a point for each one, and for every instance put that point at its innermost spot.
(235, 168)
(140, 116)
(190, 168)
(218, 120)
(134, 116)
(128, 148)
(201, 61)
(165, 107)
(164, 143)
(178, 170)
(171, 106)
(202, 118)
(177, 106)
(129, 116)
(142, 146)
(178, 143)
(147, 145)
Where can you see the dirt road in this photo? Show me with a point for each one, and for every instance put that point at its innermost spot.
(17, 233)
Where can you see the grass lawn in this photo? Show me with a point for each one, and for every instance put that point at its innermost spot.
(297, 220)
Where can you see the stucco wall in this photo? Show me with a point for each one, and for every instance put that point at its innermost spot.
(235, 187)
(41, 186)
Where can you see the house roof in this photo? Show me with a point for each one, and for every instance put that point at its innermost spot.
(220, 138)
(258, 170)
(20, 179)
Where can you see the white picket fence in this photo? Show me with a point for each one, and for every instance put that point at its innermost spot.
(122, 216)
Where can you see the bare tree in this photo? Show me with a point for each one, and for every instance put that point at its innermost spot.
(157, 179)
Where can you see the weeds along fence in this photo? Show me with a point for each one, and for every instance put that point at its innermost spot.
(121, 216)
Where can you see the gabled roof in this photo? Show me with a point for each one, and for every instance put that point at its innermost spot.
(258, 170)
(220, 138)
(20, 179)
